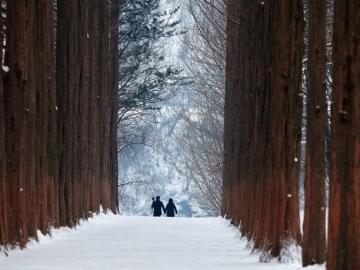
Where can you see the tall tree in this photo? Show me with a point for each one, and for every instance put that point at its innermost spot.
(262, 122)
(3, 183)
(202, 138)
(57, 138)
(114, 104)
(314, 241)
(344, 220)
(28, 55)
(146, 77)
(85, 90)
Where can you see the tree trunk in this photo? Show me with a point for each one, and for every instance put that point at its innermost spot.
(57, 139)
(344, 221)
(314, 241)
(262, 122)
(4, 207)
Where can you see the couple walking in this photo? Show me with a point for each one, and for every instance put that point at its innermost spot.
(157, 205)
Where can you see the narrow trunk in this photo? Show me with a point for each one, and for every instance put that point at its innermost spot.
(314, 241)
(4, 207)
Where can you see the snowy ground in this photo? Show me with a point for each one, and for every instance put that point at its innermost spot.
(111, 242)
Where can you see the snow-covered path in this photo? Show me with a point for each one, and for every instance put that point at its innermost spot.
(111, 242)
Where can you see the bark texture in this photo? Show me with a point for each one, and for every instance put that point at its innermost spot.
(262, 122)
(344, 221)
(57, 115)
(314, 239)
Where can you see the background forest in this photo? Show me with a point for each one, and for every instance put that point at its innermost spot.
(172, 143)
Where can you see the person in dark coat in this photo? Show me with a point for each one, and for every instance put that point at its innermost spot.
(157, 206)
(170, 209)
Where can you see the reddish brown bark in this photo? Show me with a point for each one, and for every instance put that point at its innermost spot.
(3, 183)
(262, 127)
(114, 80)
(28, 86)
(344, 221)
(18, 116)
(314, 239)
(57, 139)
(87, 91)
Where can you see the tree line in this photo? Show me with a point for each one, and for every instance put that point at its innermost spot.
(204, 58)
(263, 121)
(58, 114)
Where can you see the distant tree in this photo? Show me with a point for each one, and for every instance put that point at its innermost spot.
(145, 76)
(204, 53)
